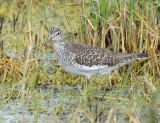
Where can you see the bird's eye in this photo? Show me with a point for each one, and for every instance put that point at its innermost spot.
(58, 33)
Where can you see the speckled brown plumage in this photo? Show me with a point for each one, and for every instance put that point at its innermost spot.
(87, 61)
(89, 56)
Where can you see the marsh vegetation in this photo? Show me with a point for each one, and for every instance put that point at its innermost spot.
(35, 88)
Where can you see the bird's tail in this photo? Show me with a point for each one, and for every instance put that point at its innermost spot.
(141, 56)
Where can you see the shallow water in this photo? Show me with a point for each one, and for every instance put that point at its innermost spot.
(11, 112)
(46, 107)
(60, 104)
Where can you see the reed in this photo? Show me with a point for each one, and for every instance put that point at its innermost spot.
(47, 92)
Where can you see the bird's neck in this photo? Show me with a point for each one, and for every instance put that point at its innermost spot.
(58, 47)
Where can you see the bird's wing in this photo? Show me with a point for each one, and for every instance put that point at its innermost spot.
(95, 56)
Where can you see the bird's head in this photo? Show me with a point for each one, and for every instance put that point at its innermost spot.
(54, 35)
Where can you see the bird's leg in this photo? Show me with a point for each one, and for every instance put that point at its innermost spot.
(85, 86)
(87, 83)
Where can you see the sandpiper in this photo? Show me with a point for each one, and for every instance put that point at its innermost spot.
(87, 61)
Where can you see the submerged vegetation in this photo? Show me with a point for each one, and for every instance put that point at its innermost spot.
(35, 88)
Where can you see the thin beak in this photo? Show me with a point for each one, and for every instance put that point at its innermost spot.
(46, 43)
